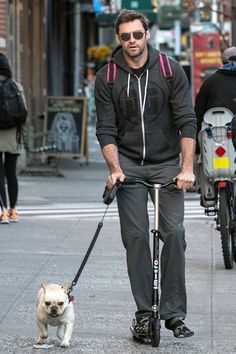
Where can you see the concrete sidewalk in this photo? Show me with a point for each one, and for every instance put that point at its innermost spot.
(41, 250)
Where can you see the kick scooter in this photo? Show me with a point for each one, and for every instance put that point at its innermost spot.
(108, 196)
(155, 323)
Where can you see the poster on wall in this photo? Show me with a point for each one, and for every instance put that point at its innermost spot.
(205, 53)
(66, 125)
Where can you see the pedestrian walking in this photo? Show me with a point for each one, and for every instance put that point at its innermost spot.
(144, 121)
(9, 144)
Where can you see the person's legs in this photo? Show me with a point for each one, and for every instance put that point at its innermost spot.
(134, 221)
(173, 292)
(173, 304)
(12, 183)
(171, 214)
(4, 219)
(2, 183)
(132, 206)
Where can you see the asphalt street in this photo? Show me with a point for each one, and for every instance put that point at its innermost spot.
(48, 244)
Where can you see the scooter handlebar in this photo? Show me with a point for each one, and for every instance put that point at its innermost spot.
(109, 194)
(133, 180)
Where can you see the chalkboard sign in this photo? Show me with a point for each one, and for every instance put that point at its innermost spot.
(66, 126)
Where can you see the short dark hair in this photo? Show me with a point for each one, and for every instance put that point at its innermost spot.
(129, 16)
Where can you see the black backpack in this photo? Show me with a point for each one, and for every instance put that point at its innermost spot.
(13, 112)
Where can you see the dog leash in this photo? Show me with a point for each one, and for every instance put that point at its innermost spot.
(108, 196)
(100, 225)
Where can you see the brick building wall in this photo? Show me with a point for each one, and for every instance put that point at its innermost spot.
(3, 26)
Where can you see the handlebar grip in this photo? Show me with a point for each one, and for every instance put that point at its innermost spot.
(130, 180)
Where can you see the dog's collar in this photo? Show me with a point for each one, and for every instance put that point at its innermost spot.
(71, 298)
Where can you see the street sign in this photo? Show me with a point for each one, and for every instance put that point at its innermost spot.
(205, 53)
(139, 5)
(144, 6)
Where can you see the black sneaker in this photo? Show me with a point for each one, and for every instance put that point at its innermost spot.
(178, 327)
(140, 329)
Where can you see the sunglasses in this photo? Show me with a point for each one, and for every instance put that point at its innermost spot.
(125, 37)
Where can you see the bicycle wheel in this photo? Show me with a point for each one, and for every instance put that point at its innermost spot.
(234, 245)
(233, 233)
(225, 229)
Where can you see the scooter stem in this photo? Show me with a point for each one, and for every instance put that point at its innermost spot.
(156, 188)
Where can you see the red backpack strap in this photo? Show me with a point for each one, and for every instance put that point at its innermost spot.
(165, 66)
(111, 74)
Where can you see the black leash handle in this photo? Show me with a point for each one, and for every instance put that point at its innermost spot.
(109, 194)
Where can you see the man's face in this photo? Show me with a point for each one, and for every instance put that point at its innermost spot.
(133, 47)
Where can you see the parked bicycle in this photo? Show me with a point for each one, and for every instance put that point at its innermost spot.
(217, 166)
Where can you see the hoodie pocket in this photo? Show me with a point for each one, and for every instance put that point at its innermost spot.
(156, 143)
(131, 141)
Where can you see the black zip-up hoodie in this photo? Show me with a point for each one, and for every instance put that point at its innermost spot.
(144, 116)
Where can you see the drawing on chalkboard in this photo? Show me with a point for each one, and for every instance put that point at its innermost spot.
(63, 133)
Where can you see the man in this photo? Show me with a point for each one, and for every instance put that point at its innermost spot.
(143, 122)
(219, 90)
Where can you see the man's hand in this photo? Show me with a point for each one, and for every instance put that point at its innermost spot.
(113, 177)
(110, 152)
(185, 180)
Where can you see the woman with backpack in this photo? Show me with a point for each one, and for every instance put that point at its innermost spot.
(9, 152)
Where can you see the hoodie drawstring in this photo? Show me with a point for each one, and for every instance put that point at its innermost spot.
(128, 85)
(142, 102)
(142, 107)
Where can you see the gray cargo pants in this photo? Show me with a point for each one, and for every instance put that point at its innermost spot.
(135, 229)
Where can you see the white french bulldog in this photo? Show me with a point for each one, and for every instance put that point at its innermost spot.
(55, 308)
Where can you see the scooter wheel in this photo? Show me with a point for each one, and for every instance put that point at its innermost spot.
(156, 333)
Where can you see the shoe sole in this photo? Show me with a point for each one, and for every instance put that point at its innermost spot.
(5, 222)
(13, 220)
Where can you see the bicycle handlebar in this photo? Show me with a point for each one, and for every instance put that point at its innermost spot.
(109, 194)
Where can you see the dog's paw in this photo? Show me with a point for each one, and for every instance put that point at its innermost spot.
(65, 344)
(41, 340)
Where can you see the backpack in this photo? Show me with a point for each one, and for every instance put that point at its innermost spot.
(164, 63)
(13, 112)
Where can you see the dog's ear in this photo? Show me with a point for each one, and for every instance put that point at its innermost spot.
(66, 288)
(43, 286)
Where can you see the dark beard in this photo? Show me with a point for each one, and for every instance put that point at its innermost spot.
(135, 55)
